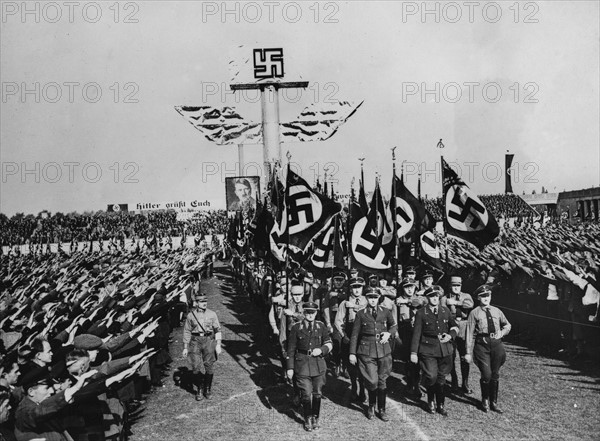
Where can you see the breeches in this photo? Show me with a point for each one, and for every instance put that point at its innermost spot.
(489, 356)
(201, 351)
(435, 369)
(375, 371)
(310, 386)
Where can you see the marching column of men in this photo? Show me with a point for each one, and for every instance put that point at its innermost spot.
(356, 328)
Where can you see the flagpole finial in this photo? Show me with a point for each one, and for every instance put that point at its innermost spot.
(440, 145)
(393, 153)
(288, 155)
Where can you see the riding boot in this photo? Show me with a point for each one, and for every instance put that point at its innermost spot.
(381, 398)
(454, 375)
(316, 411)
(372, 401)
(441, 399)
(361, 389)
(208, 379)
(307, 406)
(464, 370)
(431, 399)
(197, 383)
(485, 395)
(494, 396)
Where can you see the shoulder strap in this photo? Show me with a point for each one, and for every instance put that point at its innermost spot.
(195, 318)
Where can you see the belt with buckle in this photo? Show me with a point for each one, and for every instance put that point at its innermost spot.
(304, 351)
(201, 334)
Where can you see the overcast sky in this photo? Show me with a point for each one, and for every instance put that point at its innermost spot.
(151, 56)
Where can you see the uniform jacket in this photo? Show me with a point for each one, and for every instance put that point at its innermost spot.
(407, 311)
(365, 340)
(301, 340)
(460, 312)
(428, 326)
(208, 319)
(348, 315)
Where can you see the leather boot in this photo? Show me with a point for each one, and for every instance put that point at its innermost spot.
(353, 394)
(454, 375)
(494, 396)
(208, 378)
(440, 397)
(485, 396)
(372, 401)
(307, 406)
(431, 399)
(464, 370)
(316, 411)
(381, 398)
(361, 390)
(197, 379)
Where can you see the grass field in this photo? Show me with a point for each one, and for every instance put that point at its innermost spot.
(542, 398)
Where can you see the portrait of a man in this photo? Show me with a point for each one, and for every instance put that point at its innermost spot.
(242, 192)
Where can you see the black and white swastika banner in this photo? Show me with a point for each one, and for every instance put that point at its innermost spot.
(366, 250)
(465, 216)
(306, 214)
(411, 215)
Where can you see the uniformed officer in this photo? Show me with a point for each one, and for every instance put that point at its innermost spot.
(486, 326)
(426, 282)
(411, 273)
(373, 327)
(201, 341)
(388, 300)
(309, 342)
(460, 305)
(330, 309)
(344, 324)
(408, 304)
(291, 316)
(432, 346)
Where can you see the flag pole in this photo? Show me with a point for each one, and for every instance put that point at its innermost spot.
(440, 145)
(393, 210)
(349, 226)
(287, 229)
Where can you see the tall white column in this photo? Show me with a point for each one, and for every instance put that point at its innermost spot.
(269, 99)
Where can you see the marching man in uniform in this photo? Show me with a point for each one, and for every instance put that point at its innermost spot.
(459, 304)
(432, 345)
(309, 342)
(330, 309)
(487, 325)
(201, 341)
(344, 324)
(370, 342)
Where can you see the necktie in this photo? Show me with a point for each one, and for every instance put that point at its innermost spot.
(374, 313)
(434, 311)
(490, 321)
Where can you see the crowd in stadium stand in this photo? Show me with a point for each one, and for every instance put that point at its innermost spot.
(84, 337)
(57, 228)
(501, 205)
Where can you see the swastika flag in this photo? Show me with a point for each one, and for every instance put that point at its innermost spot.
(306, 213)
(366, 251)
(464, 215)
(411, 215)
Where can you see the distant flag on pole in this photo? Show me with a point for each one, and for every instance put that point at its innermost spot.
(464, 215)
(507, 173)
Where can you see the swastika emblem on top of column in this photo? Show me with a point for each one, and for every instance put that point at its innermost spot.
(268, 63)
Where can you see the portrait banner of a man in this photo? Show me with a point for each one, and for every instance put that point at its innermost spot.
(241, 192)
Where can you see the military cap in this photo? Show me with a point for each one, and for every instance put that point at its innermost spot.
(88, 342)
(357, 281)
(434, 290)
(373, 292)
(353, 273)
(340, 275)
(483, 291)
(310, 307)
(426, 274)
(373, 277)
(408, 282)
(411, 270)
(455, 280)
(36, 377)
(200, 297)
